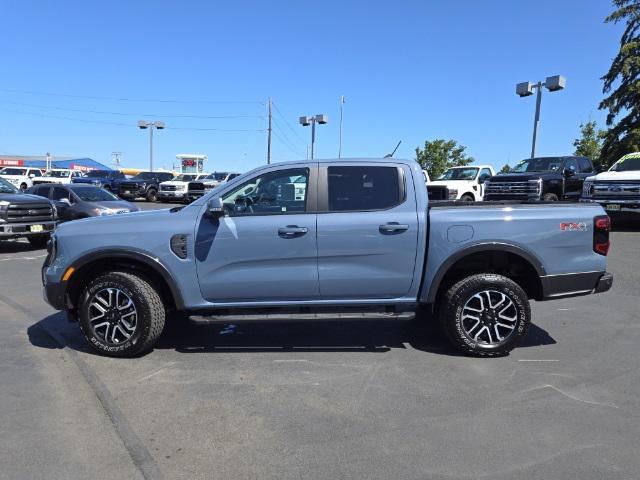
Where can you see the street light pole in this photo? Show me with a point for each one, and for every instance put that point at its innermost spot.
(143, 124)
(306, 121)
(524, 89)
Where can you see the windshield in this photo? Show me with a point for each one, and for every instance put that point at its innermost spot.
(98, 173)
(185, 178)
(217, 176)
(626, 165)
(94, 194)
(459, 174)
(57, 173)
(6, 187)
(13, 171)
(145, 176)
(549, 164)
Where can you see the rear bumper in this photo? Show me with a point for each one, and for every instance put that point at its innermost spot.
(575, 284)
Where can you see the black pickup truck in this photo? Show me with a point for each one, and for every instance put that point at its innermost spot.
(543, 178)
(144, 185)
(25, 216)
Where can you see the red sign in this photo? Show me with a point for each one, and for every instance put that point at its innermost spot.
(11, 163)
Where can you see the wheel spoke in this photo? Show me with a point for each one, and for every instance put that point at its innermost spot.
(489, 317)
(113, 315)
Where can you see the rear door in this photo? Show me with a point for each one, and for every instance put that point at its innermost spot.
(367, 230)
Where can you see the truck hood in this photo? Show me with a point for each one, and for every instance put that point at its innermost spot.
(117, 205)
(613, 176)
(114, 223)
(90, 181)
(21, 198)
(523, 177)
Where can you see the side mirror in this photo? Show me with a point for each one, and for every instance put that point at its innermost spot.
(215, 208)
(568, 172)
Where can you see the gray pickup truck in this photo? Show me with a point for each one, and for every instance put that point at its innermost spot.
(344, 235)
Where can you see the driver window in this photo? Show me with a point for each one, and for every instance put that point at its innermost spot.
(60, 193)
(486, 173)
(277, 192)
(571, 164)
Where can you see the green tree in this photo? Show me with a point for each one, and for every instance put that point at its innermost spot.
(590, 142)
(439, 155)
(622, 85)
(505, 168)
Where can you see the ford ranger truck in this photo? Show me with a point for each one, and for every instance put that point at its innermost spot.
(618, 189)
(361, 236)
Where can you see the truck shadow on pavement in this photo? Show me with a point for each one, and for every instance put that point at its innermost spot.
(13, 246)
(376, 336)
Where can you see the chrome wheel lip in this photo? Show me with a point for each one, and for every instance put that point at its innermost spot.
(113, 316)
(489, 318)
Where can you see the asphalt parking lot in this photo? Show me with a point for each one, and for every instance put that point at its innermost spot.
(361, 399)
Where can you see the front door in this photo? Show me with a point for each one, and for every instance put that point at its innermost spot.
(264, 248)
(367, 231)
(573, 184)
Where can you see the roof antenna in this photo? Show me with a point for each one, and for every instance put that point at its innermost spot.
(390, 155)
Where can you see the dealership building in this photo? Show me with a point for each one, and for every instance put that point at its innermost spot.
(35, 161)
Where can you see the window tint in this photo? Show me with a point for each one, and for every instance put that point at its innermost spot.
(36, 173)
(484, 174)
(41, 191)
(571, 164)
(363, 188)
(585, 165)
(276, 192)
(59, 193)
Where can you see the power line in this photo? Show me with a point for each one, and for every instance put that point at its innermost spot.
(286, 137)
(128, 125)
(296, 152)
(102, 112)
(289, 125)
(124, 99)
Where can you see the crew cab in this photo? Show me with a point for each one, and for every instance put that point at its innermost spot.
(176, 189)
(25, 216)
(542, 178)
(465, 183)
(145, 185)
(362, 236)
(62, 176)
(107, 179)
(21, 177)
(618, 189)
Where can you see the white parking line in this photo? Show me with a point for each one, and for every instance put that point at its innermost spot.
(537, 360)
(22, 258)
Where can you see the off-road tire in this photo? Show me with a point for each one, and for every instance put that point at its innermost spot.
(39, 241)
(450, 313)
(467, 197)
(151, 313)
(152, 195)
(550, 197)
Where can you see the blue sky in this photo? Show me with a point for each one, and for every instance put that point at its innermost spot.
(410, 71)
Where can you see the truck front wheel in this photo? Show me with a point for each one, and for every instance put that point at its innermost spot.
(485, 315)
(550, 197)
(152, 195)
(121, 314)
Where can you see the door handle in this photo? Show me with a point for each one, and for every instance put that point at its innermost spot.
(393, 227)
(292, 231)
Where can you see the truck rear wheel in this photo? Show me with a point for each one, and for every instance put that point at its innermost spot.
(485, 315)
(121, 314)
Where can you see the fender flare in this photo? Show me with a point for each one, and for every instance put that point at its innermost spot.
(133, 254)
(430, 295)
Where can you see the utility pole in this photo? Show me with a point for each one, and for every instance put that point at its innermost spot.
(48, 162)
(269, 136)
(115, 157)
(536, 121)
(340, 144)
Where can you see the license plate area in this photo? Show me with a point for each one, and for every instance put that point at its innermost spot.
(36, 228)
(612, 208)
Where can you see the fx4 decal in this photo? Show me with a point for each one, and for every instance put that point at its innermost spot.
(573, 227)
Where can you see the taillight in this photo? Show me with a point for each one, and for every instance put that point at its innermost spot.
(601, 229)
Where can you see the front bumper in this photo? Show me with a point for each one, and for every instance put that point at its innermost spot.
(54, 294)
(17, 230)
(171, 194)
(575, 284)
(616, 206)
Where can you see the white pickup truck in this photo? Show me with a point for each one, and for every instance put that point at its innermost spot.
(58, 175)
(465, 183)
(618, 189)
(21, 177)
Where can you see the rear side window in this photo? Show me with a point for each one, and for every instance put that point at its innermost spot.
(354, 188)
(585, 165)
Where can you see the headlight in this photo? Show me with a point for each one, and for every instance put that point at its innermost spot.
(453, 194)
(586, 189)
(537, 184)
(3, 210)
(54, 211)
